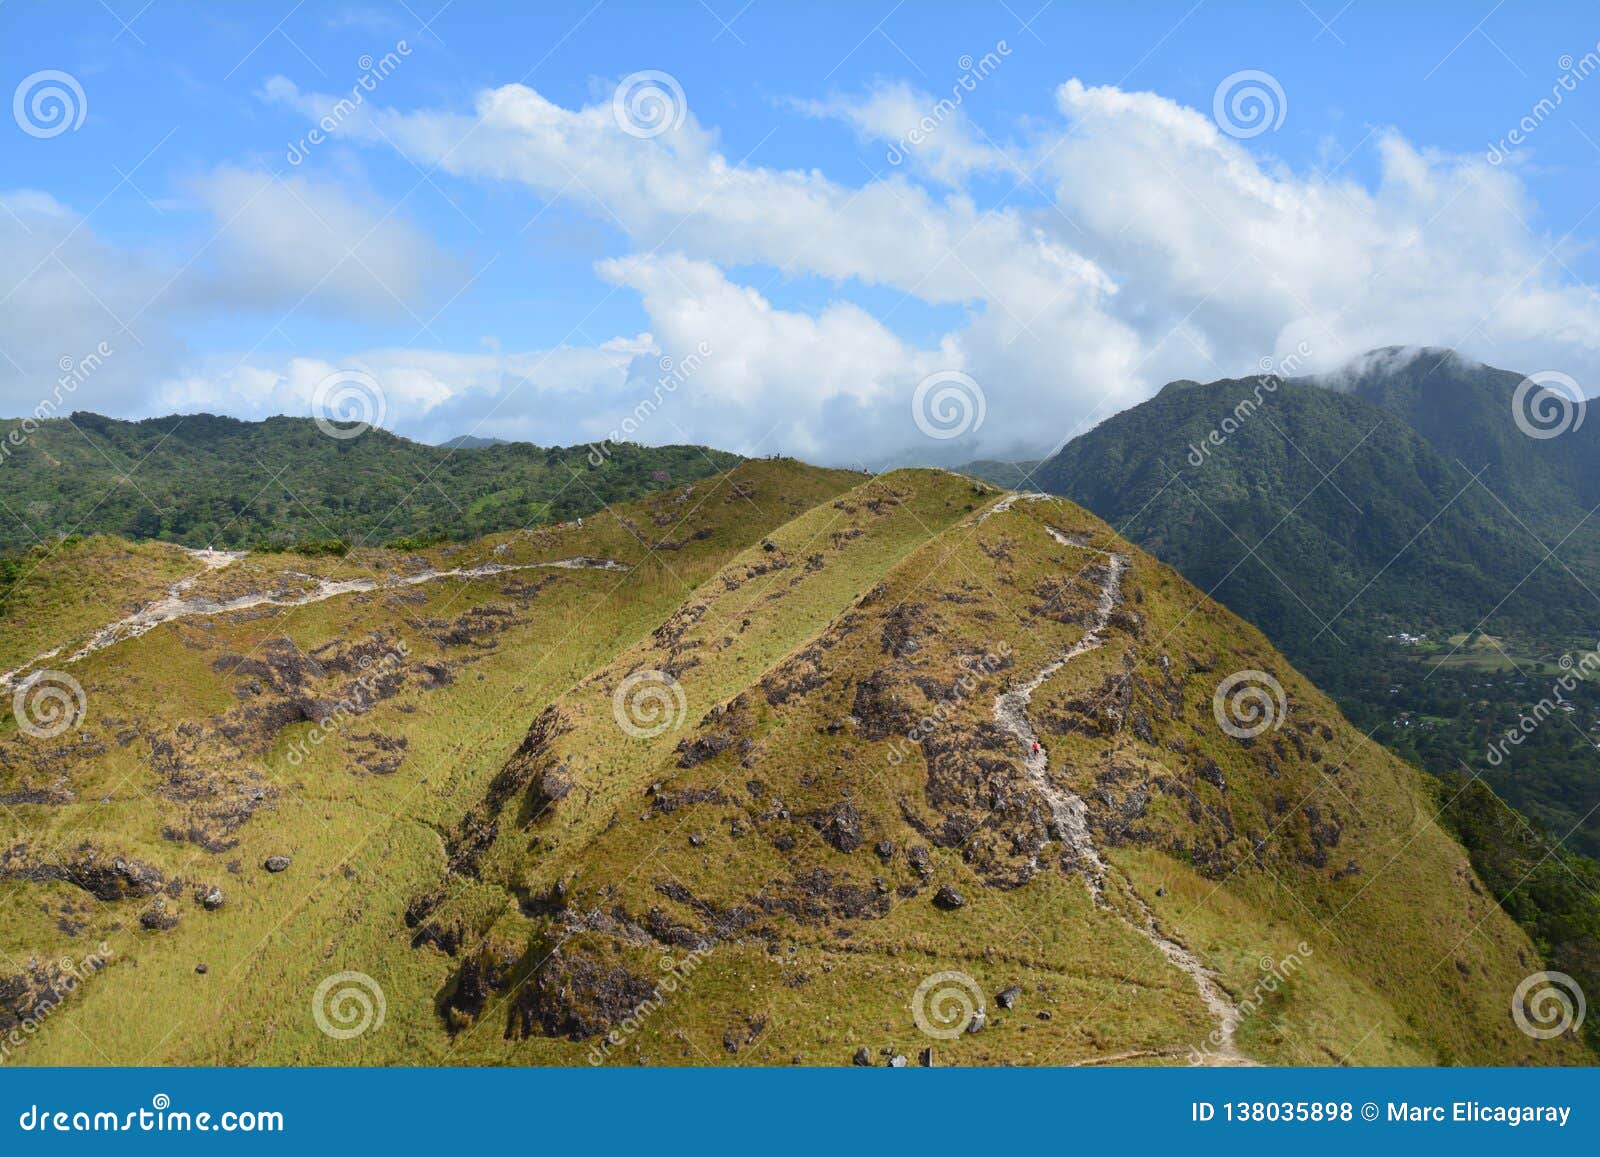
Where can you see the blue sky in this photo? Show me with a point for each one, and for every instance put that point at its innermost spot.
(1063, 250)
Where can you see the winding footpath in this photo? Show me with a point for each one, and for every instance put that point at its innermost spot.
(1071, 813)
(178, 604)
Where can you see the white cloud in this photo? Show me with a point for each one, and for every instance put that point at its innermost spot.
(288, 239)
(1144, 245)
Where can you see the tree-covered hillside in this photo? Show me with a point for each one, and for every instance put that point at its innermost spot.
(1416, 578)
(203, 480)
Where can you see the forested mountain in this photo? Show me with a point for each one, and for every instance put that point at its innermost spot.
(205, 480)
(1404, 540)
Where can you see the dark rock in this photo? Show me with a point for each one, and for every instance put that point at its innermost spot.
(840, 829)
(201, 969)
(863, 1058)
(979, 1022)
(157, 917)
(1007, 998)
(885, 849)
(948, 898)
(276, 863)
(210, 897)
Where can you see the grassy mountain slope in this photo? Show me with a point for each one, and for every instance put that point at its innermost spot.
(781, 848)
(205, 480)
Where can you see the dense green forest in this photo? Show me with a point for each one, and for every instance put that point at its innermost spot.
(1434, 584)
(204, 480)
(1552, 893)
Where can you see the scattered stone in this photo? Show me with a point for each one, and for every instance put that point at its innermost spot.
(697, 840)
(157, 918)
(897, 1061)
(885, 850)
(1007, 998)
(1161, 891)
(948, 898)
(201, 969)
(276, 863)
(210, 898)
(925, 1057)
(863, 1058)
(1044, 1014)
(979, 1021)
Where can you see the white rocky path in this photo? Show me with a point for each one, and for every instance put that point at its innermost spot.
(178, 604)
(1071, 814)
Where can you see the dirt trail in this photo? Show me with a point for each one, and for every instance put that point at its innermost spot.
(1071, 814)
(178, 604)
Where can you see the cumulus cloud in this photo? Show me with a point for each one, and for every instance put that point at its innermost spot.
(1139, 244)
(287, 239)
